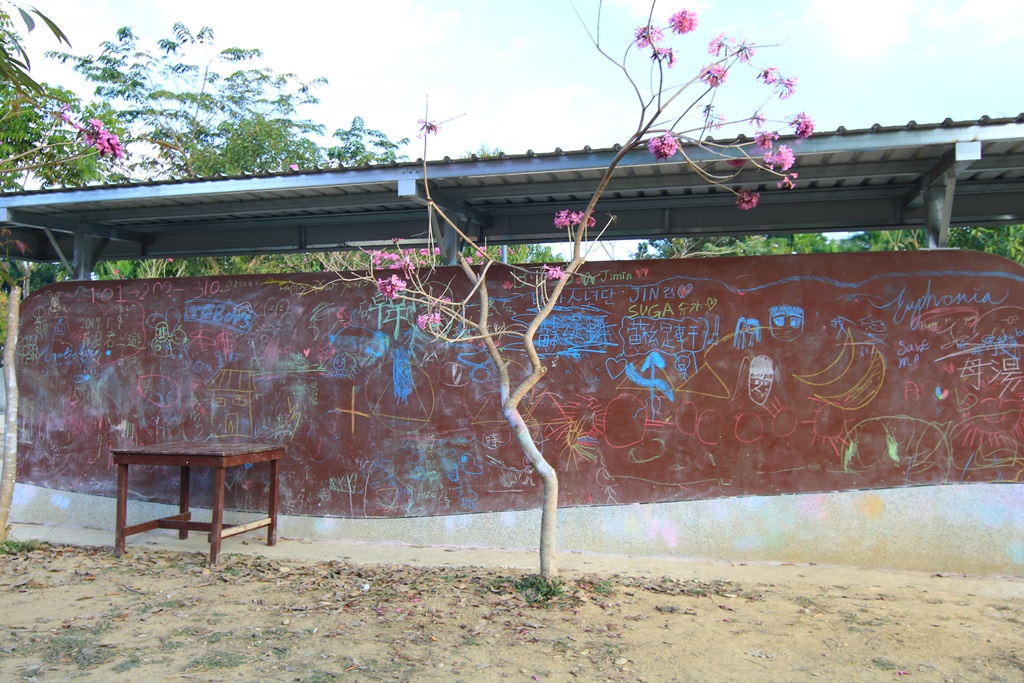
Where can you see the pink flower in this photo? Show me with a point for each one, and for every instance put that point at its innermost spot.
(788, 183)
(711, 119)
(664, 53)
(757, 118)
(803, 124)
(293, 167)
(428, 127)
(568, 219)
(648, 36)
(785, 88)
(683, 21)
(747, 200)
(553, 272)
(427, 319)
(765, 138)
(95, 135)
(718, 45)
(783, 158)
(107, 143)
(391, 287)
(577, 218)
(664, 147)
(744, 51)
(769, 75)
(714, 75)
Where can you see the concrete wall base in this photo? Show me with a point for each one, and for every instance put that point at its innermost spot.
(968, 528)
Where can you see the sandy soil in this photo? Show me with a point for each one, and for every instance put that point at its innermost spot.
(79, 613)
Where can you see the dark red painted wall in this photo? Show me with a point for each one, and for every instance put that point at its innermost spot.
(669, 380)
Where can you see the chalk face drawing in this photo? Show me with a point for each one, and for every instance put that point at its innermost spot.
(667, 380)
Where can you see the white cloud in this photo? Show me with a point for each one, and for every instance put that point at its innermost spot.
(865, 30)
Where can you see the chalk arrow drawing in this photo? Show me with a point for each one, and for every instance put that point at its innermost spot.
(646, 376)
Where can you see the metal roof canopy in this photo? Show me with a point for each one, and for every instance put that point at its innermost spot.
(883, 178)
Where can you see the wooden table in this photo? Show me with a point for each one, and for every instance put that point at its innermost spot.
(185, 456)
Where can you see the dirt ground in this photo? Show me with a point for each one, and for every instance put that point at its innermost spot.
(73, 613)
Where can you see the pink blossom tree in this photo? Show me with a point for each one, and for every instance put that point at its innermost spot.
(90, 137)
(675, 120)
(66, 141)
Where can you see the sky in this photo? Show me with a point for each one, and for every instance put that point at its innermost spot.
(525, 75)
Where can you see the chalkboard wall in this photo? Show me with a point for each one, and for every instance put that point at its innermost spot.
(668, 380)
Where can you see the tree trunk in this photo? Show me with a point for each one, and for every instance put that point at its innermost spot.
(10, 459)
(548, 476)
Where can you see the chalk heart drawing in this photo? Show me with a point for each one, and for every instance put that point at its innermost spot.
(615, 367)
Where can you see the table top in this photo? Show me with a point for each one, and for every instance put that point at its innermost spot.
(203, 452)
(194, 448)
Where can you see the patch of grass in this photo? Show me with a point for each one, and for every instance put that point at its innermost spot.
(855, 623)
(319, 677)
(535, 588)
(126, 664)
(601, 587)
(12, 547)
(561, 646)
(883, 664)
(80, 649)
(170, 604)
(217, 636)
(808, 603)
(217, 660)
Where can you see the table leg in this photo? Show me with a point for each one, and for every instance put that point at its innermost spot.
(272, 508)
(217, 521)
(122, 509)
(183, 498)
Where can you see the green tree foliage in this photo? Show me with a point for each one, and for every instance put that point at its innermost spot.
(204, 266)
(361, 145)
(1006, 240)
(39, 149)
(186, 119)
(483, 152)
(1003, 240)
(753, 245)
(190, 111)
(14, 61)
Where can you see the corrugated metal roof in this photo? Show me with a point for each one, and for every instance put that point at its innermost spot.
(883, 177)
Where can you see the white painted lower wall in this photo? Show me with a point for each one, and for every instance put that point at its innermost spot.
(967, 528)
